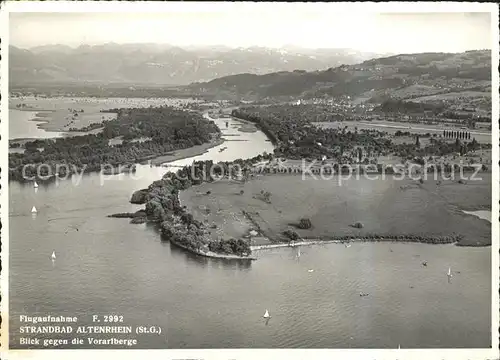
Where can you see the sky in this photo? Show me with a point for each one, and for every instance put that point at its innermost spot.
(319, 25)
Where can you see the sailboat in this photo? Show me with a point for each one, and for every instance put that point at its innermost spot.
(266, 315)
(33, 210)
(35, 185)
(53, 256)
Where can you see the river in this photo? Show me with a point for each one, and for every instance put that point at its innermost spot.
(108, 266)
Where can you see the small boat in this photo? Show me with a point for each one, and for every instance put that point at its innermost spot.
(310, 270)
(298, 253)
(53, 256)
(33, 210)
(35, 185)
(266, 315)
(449, 272)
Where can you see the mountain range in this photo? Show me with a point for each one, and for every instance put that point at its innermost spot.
(156, 64)
(404, 76)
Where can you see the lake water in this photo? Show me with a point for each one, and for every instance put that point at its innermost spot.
(21, 126)
(111, 267)
(482, 214)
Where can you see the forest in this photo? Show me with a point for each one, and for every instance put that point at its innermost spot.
(177, 225)
(168, 129)
(295, 137)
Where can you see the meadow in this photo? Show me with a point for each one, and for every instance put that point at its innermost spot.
(383, 207)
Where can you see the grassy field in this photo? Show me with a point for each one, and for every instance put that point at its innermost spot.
(400, 207)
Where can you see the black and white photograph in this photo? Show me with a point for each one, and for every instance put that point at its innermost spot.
(237, 180)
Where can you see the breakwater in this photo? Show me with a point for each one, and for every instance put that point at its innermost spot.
(436, 240)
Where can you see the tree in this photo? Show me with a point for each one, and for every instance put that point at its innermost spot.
(305, 223)
(292, 235)
(474, 144)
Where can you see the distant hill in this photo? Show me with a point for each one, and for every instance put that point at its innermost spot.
(154, 64)
(406, 76)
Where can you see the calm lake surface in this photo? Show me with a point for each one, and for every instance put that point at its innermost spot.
(21, 126)
(111, 267)
(482, 214)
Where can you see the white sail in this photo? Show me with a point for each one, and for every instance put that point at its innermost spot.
(35, 185)
(33, 209)
(53, 255)
(266, 315)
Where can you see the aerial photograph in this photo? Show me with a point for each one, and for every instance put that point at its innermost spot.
(250, 179)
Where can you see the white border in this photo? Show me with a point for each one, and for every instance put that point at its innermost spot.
(146, 7)
(208, 6)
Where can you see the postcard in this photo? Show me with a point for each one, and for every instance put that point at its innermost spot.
(226, 180)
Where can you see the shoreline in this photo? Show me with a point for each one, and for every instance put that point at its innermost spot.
(369, 239)
(54, 120)
(403, 236)
(208, 254)
(211, 254)
(157, 160)
(311, 242)
(181, 154)
(32, 109)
